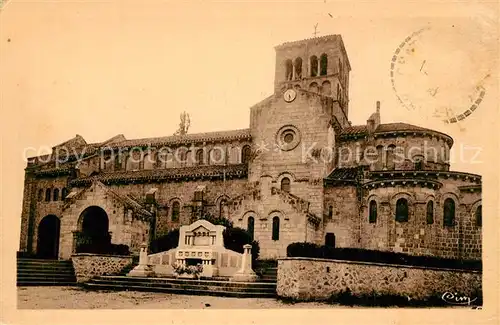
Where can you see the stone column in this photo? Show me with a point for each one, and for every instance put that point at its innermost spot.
(245, 274)
(143, 269)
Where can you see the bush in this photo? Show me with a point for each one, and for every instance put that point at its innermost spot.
(165, 242)
(366, 255)
(235, 238)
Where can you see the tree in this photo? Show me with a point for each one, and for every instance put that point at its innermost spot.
(183, 124)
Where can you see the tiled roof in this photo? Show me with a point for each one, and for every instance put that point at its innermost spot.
(360, 130)
(188, 138)
(343, 173)
(211, 171)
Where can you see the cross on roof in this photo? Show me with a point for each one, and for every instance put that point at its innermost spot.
(315, 30)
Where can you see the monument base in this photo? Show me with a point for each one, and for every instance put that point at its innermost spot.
(244, 277)
(142, 271)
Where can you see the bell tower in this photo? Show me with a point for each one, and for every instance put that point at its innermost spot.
(318, 65)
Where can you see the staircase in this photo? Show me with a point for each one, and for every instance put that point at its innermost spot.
(185, 286)
(39, 272)
(268, 270)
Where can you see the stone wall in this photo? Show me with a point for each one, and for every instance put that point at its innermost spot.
(319, 279)
(89, 265)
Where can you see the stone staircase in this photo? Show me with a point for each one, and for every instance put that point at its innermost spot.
(268, 270)
(209, 287)
(40, 272)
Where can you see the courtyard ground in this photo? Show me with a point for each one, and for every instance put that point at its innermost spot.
(80, 298)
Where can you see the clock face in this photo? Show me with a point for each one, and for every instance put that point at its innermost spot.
(289, 95)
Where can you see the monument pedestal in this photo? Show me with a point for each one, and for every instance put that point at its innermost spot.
(245, 274)
(143, 269)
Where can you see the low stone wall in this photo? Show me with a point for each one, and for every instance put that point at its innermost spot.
(319, 279)
(89, 265)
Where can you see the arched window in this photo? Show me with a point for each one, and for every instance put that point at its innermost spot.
(288, 69)
(479, 216)
(298, 68)
(176, 209)
(251, 226)
(222, 204)
(449, 212)
(245, 154)
(285, 184)
(323, 65)
(390, 157)
(276, 228)
(47, 195)
(314, 66)
(200, 157)
(118, 162)
(380, 157)
(373, 212)
(402, 210)
(56, 194)
(430, 212)
(330, 212)
(64, 193)
(40, 195)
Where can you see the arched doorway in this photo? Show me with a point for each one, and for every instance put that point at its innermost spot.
(48, 237)
(94, 230)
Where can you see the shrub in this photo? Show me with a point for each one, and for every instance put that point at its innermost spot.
(235, 238)
(165, 242)
(387, 257)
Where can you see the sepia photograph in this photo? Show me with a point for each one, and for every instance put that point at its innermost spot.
(232, 155)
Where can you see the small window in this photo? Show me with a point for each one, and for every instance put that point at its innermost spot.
(64, 193)
(56, 194)
(373, 212)
(323, 65)
(222, 204)
(245, 154)
(176, 207)
(276, 228)
(314, 66)
(298, 68)
(402, 210)
(330, 212)
(449, 213)
(430, 212)
(250, 227)
(47, 195)
(288, 69)
(330, 239)
(200, 157)
(118, 162)
(285, 184)
(479, 216)
(40, 195)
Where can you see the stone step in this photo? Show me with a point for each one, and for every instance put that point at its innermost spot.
(44, 272)
(185, 286)
(26, 283)
(200, 292)
(55, 276)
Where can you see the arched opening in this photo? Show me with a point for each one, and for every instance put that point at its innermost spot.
(176, 210)
(314, 65)
(323, 65)
(402, 210)
(326, 88)
(47, 195)
(118, 162)
(149, 161)
(56, 194)
(288, 69)
(276, 228)
(222, 205)
(373, 212)
(313, 87)
(379, 165)
(251, 227)
(391, 165)
(330, 212)
(48, 237)
(430, 212)
(200, 157)
(94, 234)
(285, 184)
(330, 239)
(245, 154)
(449, 212)
(64, 193)
(298, 68)
(479, 216)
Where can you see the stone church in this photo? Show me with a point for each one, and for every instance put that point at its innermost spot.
(301, 172)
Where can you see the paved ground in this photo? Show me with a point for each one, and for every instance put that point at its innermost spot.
(79, 298)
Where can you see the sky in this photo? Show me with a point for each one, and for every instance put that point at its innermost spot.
(102, 68)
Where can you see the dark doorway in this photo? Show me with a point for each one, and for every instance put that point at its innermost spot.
(94, 229)
(330, 239)
(48, 237)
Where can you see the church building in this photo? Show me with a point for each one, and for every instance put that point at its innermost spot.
(301, 172)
